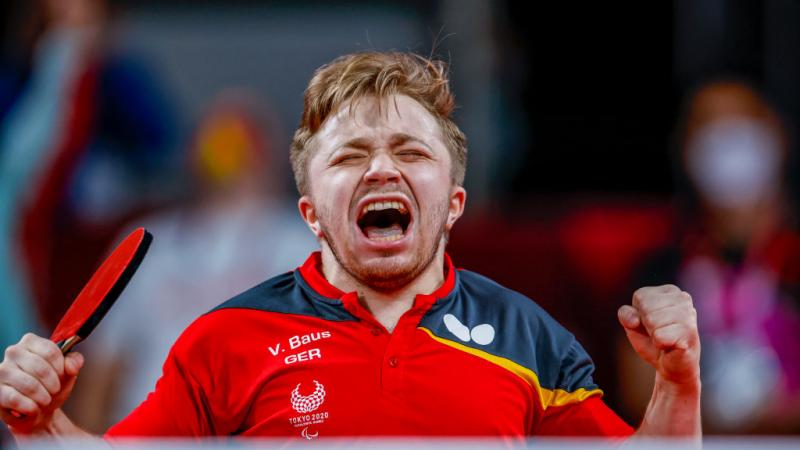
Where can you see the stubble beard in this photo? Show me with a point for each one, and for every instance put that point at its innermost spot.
(395, 276)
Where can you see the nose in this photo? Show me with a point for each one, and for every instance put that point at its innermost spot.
(381, 170)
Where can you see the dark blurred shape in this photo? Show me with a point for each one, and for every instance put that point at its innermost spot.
(595, 97)
(737, 253)
(5, 439)
(237, 229)
(82, 140)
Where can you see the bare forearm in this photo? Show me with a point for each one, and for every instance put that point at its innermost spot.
(674, 410)
(59, 427)
(661, 325)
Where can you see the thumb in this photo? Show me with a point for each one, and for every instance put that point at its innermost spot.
(640, 340)
(629, 317)
(73, 363)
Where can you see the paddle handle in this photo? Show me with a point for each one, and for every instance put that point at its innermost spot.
(67, 344)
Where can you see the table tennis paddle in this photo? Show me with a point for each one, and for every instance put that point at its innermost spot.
(100, 292)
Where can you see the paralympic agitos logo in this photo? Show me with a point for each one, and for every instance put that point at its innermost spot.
(308, 403)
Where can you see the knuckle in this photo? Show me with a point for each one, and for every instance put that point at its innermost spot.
(38, 394)
(27, 385)
(685, 314)
(648, 320)
(8, 398)
(50, 382)
(661, 336)
(48, 351)
(669, 288)
(40, 371)
(640, 294)
(685, 297)
(43, 397)
(658, 336)
(13, 352)
(10, 376)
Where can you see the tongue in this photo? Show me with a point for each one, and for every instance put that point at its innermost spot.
(393, 230)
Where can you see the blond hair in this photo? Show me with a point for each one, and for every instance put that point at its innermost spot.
(378, 74)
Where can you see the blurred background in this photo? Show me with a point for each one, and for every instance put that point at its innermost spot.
(610, 147)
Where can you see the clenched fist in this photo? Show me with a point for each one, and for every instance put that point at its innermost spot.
(35, 380)
(661, 325)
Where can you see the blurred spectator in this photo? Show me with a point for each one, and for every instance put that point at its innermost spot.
(739, 257)
(77, 145)
(236, 232)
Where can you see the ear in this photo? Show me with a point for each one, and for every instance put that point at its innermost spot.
(458, 199)
(309, 215)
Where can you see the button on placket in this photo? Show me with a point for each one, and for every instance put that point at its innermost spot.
(397, 351)
(392, 375)
(392, 371)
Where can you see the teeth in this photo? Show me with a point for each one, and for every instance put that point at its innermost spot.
(380, 206)
(387, 238)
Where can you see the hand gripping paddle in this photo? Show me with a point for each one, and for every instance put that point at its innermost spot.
(100, 293)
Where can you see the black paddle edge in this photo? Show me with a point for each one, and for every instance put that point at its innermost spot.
(116, 290)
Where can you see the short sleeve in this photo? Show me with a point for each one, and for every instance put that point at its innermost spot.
(575, 407)
(177, 407)
(589, 417)
(201, 391)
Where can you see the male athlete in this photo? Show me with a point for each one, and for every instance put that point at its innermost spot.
(379, 334)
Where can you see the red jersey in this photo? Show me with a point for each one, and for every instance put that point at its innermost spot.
(295, 356)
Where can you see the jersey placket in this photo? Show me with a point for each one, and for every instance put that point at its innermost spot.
(392, 348)
(398, 350)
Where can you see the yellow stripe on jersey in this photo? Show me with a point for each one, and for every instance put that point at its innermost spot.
(547, 397)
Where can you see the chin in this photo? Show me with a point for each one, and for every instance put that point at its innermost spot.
(386, 272)
(386, 281)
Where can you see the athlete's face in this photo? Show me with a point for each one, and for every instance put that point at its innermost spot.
(380, 193)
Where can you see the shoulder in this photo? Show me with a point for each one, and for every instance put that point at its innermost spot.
(485, 316)
(483, 296)
(277, 302)
(277, 294)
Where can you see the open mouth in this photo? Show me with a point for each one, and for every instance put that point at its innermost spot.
(384, 221)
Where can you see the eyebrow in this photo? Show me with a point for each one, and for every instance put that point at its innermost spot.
(402, 138)
(396, 140)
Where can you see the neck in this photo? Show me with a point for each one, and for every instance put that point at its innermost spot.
(386, 306)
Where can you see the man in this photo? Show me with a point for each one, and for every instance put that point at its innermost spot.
(378, 333)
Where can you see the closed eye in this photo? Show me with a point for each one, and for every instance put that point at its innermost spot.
(347, 158)
(412, 154)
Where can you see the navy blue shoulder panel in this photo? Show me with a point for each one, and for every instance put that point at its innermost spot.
(523, 332)
(288, 294)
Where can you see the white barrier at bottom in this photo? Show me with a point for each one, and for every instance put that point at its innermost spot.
(711, 443)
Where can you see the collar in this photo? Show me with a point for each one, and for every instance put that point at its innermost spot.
(311, 271)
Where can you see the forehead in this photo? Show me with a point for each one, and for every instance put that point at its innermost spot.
(378, 119)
